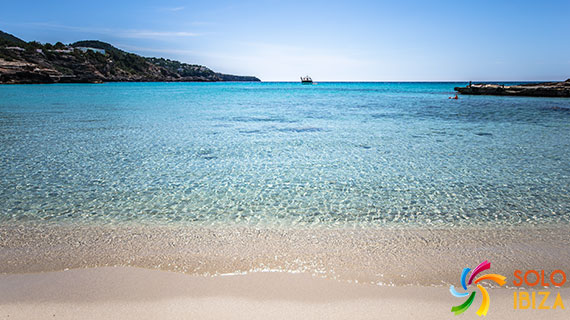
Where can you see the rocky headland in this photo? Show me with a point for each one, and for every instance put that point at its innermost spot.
(544, 89)
(24, 62)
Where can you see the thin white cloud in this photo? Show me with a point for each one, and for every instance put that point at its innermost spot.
(156, 50)
(155, 34)
(122, 33)
(173, 9)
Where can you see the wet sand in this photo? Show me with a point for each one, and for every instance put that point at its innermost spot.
(384, 256)
(135, 293)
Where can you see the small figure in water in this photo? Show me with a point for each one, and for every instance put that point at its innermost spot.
(455, 98)
(469, 84)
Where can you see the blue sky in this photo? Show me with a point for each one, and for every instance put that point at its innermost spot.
(329, 40)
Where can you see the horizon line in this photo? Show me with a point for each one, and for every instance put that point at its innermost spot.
(322, 81)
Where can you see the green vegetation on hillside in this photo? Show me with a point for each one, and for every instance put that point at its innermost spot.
(7, 39)
(34, 62)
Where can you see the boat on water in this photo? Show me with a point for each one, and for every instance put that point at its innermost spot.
(306, 80)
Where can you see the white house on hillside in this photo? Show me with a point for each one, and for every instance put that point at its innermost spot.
(85, 49)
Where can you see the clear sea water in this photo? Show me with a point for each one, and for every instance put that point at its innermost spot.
(281, 154)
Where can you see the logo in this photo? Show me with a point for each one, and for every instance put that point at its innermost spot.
(499, 279)
(527, 298)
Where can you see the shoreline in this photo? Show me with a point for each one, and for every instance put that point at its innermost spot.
(135, 293)
(378, 256)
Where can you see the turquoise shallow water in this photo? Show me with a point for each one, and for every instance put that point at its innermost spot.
(281, 154)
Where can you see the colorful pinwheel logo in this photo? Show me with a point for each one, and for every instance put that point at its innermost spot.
(499, 279)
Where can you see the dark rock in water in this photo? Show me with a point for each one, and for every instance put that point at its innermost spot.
(93, 62)
(544, 89)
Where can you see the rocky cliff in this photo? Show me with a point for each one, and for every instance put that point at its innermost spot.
(92, 62)
(544, 89)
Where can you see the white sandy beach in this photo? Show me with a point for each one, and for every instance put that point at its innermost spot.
(136, 293)
(165, 272)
